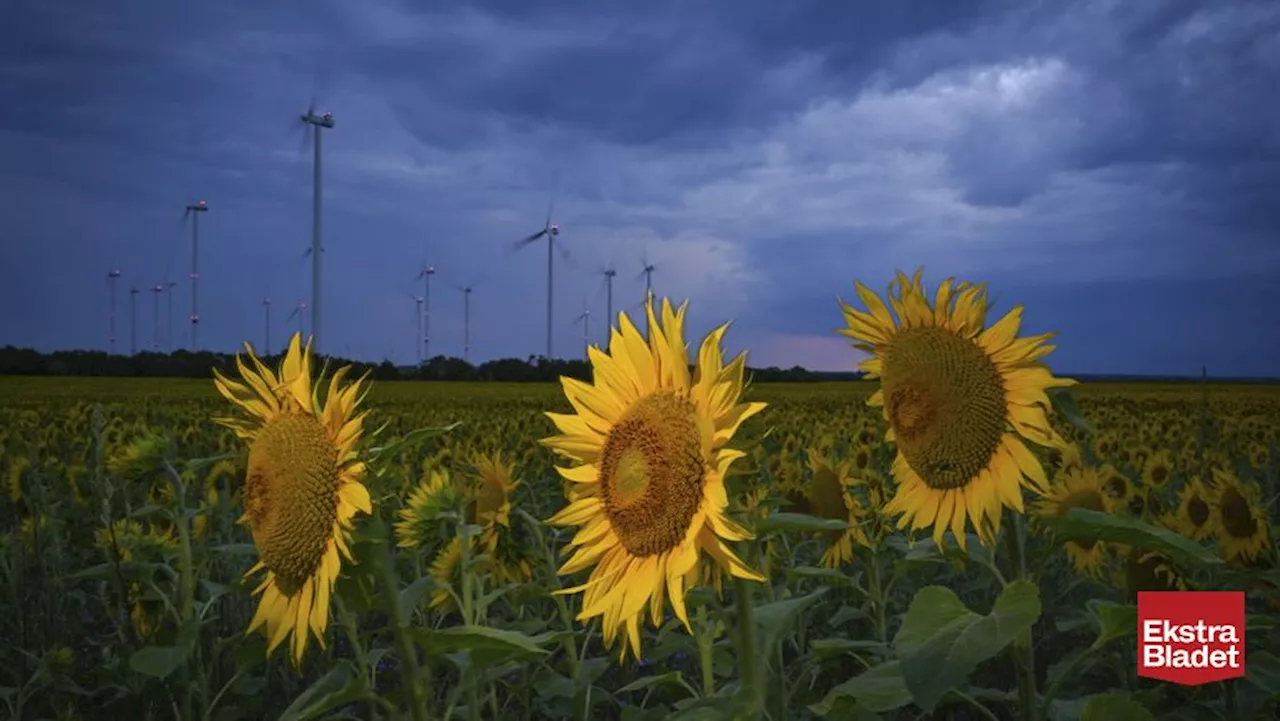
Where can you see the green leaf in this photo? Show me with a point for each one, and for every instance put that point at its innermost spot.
(1082, 524)
(1114, 707)
(486, 646)
(1262, 669)
(641, 684)
(941, 641)
(1115, 620)
(235, 549)
(417, 435)
(774, 618)
(160, 661)
(1064, 404)
(878, 689)
(830, 576)
(798, 523)
(411, 596)
(342, 685)
(826, 648)
(717, 708)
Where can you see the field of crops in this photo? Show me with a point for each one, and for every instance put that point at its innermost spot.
(123, 590)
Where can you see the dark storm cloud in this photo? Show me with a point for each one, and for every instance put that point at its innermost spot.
(1077, 155)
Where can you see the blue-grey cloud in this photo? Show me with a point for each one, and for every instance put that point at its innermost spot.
(1112, 166)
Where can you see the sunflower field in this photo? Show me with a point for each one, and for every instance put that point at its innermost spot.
(960, 536)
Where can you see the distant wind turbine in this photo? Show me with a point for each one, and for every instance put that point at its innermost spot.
(608, 274)
(133, 320)
(425, 277)
(112, 276)
(301, 313)
(155, 316)
(193, 211)
(585, 319)
(319, 122)
(168, 333)
(466, 319)
(647, 274)
(550, 231)
(266, 326)
(418, 333)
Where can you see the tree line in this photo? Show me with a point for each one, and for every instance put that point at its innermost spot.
(185, 364)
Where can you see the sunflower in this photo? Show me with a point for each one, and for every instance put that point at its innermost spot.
(829, 497)
(650, 444)
(490, 508)
(419, 525)
(959, 400)
(1239, 518)
(302, 487)
(1157, 469)
(1115, 485)
(446, 571)
(1078, 488)
(1195, 512)
(1151, 571)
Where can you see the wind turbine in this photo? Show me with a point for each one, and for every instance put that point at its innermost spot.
(133, 320)
(425, 277)
(320, 122)
(301, 313)
(168, 334)
(194, 210)
(608, 274)
(266, 326)
(585, 319)
(155, 316)
(466, 319)
(418, 299)
(550, 231)
(647, 274)
(112, 275)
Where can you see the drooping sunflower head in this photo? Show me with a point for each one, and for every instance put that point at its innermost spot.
(830, 497)
(302, 486)
(1151, 571)
(959, 399)
(649, 445)
(490, 503)
(419, 521)
(1239, 518)
(446, 571)
(1194, 517)
(1079, 488)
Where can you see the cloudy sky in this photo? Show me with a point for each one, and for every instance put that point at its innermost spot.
(1112, 166)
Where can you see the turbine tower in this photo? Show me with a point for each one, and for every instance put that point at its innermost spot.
(608, 274)
(133, 321)
(418, 334)
(168, 333)
(466, 321)
(266, 326)
(301, 313)
(585, 319)
(550, 231)
(155, 316)
(319, 122)
(112, 275)
(194, 210)
(425, 276)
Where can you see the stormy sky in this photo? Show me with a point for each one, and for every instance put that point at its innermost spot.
(1112, 166)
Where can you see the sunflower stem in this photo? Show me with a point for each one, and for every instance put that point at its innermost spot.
(1022, 649)
(877, 596)
(1063, 676)
(409, 672)
(750, 673)
(186, 574)
(469, 617)
(705, 641)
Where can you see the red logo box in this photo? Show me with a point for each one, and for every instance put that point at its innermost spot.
(1191, 637)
